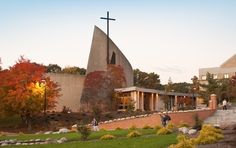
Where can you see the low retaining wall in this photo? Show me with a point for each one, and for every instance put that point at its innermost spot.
(154, 119)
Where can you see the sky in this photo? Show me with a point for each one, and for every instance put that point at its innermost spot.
(173, 38)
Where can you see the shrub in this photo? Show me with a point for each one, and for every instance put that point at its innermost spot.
(134, 134)
(84, 131)
(118, 128)
(208, 135)
(183, 142)
(171, 126)
(147, 127)
(107, 137)
(133, 127)
(164, 131)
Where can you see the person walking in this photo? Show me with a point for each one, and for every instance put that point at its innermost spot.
(224, 104)
(167, 118)
(95, 125)
(163, 120)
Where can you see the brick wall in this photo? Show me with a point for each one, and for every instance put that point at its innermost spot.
(153, 120)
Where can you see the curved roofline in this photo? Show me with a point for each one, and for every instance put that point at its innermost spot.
(115, 45)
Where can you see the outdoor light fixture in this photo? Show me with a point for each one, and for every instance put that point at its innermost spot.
(45, 98)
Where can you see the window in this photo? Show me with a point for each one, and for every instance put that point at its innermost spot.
(113, 58)
(226, 76)
(204, 77)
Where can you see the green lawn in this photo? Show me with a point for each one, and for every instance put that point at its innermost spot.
(148, 139)
(154, 141)
(76, 136)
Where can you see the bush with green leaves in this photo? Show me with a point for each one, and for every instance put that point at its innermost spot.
(107, 137)
(164, 131)
(84, 131)
(133, 134)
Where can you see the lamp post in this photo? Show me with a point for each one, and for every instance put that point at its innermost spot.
(193, 98)
(45, 99)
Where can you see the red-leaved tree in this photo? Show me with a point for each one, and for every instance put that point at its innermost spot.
(23, 91)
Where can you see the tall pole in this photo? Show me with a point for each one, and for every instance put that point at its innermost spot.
(45, 101)
(107, 19)
(108, 37)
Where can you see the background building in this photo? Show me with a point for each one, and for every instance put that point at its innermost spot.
(226, 70)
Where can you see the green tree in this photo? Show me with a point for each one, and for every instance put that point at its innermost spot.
(53, 68)
(74, 70)
(181, 87)
(147, 80)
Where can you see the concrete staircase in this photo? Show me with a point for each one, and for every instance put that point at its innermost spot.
(221, 117)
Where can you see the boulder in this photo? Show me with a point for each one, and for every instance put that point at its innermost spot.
(184, 130)
(192, 131)
(63, 130)
(74, 126)
(18, 143)
(63, 139)
(38, 140)
(47, 132)
(55, 132)
(4, 144)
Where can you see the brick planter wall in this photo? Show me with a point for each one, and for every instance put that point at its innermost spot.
(154, 119)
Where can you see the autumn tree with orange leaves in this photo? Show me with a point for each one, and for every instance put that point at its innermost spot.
(22, 90)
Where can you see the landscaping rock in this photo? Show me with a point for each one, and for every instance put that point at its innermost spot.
(18, 143)
(4, 144)
(49, 139)
(63, 139)
(192, 131)
(38, 140)
(184, 130)
(48, 132)
(63, 130)
(74, 126)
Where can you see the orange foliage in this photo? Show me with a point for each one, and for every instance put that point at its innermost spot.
(22, 93)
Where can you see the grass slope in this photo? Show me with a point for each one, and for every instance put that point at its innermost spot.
(154, 141)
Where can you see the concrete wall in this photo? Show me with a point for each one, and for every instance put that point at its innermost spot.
(98, 53)
(71, 90)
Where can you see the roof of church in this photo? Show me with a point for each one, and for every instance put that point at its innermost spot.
(231, 62)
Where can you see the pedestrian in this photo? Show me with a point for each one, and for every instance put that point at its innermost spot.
(95, 125)
(224, 104)
(167, 118)
(163, 121)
